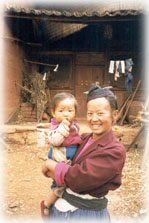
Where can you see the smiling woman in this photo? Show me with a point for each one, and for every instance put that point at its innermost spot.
(100, 117)
(100, 113)
(96, 167)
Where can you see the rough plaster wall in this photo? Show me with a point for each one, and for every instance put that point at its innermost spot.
(12, 73)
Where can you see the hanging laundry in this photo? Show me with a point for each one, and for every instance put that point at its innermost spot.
(116, 75)
(111, 67)
(121, 67)
(128, 64)
(128, 82)
(128, 69)
(117, 67)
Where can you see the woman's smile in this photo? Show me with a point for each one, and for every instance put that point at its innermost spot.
(99, 117)
(95, 126)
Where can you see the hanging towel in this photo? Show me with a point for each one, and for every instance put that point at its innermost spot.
(116, 75)
(111, 67)
(123, 66)
(119, 67)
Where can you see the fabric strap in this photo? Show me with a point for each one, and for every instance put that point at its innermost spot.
(87, 204)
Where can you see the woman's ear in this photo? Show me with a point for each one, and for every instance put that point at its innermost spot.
(114, 116)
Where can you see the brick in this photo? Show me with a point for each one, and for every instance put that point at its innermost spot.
(26, 108)
(26, 113)
(26, 105)
(29, 119)
(33, 113)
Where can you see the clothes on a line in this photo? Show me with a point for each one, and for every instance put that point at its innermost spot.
(122, 67)
(117, 67)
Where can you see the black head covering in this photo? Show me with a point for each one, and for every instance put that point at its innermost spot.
(97, 92)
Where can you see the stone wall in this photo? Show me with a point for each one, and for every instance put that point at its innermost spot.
(24, 135)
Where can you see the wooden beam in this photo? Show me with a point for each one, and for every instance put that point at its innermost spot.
(31, 92)
(136, 137)
(44, 64)
(19, 40)
(133, 95)
(67, 53)
(123, 106)
(83, 19)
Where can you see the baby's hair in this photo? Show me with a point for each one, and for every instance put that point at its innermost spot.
(62, 96)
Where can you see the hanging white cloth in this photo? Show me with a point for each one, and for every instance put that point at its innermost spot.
(111, 67)
(116, 75)
(123, 66)
(117, 67)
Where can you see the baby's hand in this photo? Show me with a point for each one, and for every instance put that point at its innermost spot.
(45, 171)
(66, 122)
(47, 174)
(68, 162)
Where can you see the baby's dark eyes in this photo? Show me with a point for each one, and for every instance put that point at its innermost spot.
(68, 110)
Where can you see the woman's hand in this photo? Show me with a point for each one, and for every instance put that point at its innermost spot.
(48, 169)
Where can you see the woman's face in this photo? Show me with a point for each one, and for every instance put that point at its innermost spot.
(100, 117)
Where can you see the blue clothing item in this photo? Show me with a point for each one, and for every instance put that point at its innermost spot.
(54, 185)
(70, 152)
(101, 216)
(128, 82)
(129, 77)
(128, 64)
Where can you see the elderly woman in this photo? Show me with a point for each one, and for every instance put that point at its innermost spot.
(96, 167)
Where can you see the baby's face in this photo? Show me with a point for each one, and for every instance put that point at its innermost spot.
(65, 109)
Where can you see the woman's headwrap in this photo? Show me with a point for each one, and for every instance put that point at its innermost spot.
(97, 92)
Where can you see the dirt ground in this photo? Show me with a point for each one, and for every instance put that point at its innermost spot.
(25, 186)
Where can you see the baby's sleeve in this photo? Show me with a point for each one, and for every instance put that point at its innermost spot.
(57, 136)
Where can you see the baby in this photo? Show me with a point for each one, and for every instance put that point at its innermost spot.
(64, 139)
